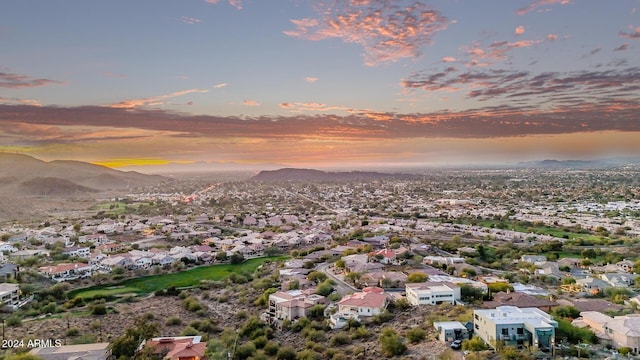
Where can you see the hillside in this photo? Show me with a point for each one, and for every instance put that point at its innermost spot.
(24, 175)
(290, 174)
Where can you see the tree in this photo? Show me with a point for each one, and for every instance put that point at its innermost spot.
(391, 344)
(124, 347)
(317, 276)
(286, 353)
(416, 335)
(417, 277)
(236, 258)
(474, 344)
(221, 256)
(340, 264)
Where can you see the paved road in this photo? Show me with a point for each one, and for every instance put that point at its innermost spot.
(341, 286)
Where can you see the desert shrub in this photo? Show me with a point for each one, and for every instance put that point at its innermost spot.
(416, 335)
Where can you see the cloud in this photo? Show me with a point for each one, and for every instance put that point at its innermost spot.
(220, 86)
(535, 91)
(31, 102)
(235, 3)
(552, 37)
(68, 125)
(448, 59)
(633, 34)
(190, 20)
(591, 53)
(519, 30)
(154, 100)
(250, 103)
(536, 4)
(387, 31)
(310, 106)
(16, 81)
(496, 51)
(622, 47)
(311, 80)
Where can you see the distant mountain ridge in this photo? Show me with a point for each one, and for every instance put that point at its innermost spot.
(293, 174)
(602, 163)
(202, 167)
(23, 175)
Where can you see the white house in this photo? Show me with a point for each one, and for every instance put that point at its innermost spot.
(622, 331)
(67, 272)
(370, 302)
(515, 326)
(432, 293)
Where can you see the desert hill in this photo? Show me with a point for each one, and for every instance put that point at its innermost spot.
(23, 175)
(291, 174)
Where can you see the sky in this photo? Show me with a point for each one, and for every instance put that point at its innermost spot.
(316, 83)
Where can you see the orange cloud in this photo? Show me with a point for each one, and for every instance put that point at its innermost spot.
(387, 31)
(153, 101)
(250, 103)
(310, 79)
(220, 86)
(519, 30)
(16, 81)
(536, 4)
(448, 59)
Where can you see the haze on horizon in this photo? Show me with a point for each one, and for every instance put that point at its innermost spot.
(348, 83)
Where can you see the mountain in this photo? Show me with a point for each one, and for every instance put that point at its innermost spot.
(291, 174)
(23, 175)
(202, 167)
(584, 164)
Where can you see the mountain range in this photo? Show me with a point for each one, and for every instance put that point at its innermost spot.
(23, 175)
(291, 174)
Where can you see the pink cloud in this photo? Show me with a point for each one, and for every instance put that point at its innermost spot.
(153, 101)
(536, 4)
(448, 59)
(190, 20)
(633, 34)
(16, 81)
(519, 30)
(387, 31)
(310, 79)
(220, 86)
(552, 37)
(311, 106)
(235, 3)
(250, 103)
(19, 101)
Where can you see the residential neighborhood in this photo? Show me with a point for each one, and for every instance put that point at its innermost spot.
(471, 276)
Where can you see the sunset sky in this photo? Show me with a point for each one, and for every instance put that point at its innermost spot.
(320, 83)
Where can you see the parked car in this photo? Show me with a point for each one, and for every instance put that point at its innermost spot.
(456, 345)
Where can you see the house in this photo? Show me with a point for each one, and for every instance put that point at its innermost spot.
(621, 331)
(8, 271)
(515, 326)
(379, 241)
(592, 285)
(291, 304)
(9, 295)
(371, 301)
(67, 272)
(57, 351)
(386, 256)
(432, 293)
(95, 239)
(618, 279)
(81, 252)
(625, 265)
(451, 330)
(7, 248)
(110, 262)
(176, 348)
(112, 248)
(534, 259)
(520, 300)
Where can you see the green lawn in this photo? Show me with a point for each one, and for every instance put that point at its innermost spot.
(148, 284)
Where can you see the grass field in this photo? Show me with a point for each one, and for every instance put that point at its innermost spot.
(148, 284)
(540, 229)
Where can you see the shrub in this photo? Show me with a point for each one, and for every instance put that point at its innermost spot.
(391, 344)
(416, 335)
(174, 321)
(73, 331)
(340, 339)
(286, 353)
